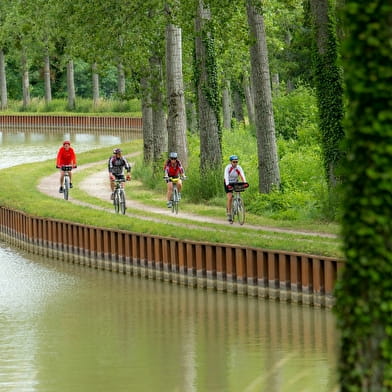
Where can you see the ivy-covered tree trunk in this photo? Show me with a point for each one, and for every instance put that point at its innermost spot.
(176, 120)
(158, 113)
(3, 83)
(71, 85)
(25, 80)
(269, 174)
(328, 85)
(364, 291)
(148, 140)
(207, 93)
(47, 81)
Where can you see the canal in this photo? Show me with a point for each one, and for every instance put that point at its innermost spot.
(66, 327)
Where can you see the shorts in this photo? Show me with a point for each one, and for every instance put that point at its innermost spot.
(119, 176)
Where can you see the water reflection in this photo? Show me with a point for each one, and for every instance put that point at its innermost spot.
(65, 327)
(69, 328)
(23, 147)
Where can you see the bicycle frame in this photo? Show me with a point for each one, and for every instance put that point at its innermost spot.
(175, 200)
(237, 204)
(66, 181)
(119, 196)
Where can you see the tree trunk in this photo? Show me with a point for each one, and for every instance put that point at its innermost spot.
(95, 80)
(47, 82)
(238, 104)
(3, 82)
(207, 91)
(275, 81)
(249, 99)
(158, 112)
(25, 81)
(120, 80)
(71, 85)
(191, 116)
(148, 139)
(176, 120)
(226, 105)
(269, 175)
(363, 291)
(328, 87)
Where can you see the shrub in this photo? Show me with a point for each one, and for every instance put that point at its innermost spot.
(295, 111)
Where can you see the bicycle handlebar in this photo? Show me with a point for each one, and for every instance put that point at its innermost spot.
(174, 179)
(66, 167)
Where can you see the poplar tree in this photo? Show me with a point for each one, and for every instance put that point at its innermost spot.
(269, 174)
(327, 75)
(3, 45)
(208, 101)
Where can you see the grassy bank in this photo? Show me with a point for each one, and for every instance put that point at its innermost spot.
(105, 107)
(20, 192)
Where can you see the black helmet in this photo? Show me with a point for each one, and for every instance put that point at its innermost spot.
(117, 151)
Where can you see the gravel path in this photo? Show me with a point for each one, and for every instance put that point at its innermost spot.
(97, 185)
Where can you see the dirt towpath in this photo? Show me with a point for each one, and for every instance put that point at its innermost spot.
(97, 185)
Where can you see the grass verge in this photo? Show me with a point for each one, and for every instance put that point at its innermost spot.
(19, 191)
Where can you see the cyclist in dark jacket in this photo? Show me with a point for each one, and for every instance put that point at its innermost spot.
(117, 165)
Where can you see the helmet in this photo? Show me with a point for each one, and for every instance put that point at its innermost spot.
(233, 158)
(66, 142)
(117, 151)
(173, 155)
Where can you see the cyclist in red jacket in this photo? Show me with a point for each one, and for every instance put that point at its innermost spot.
(65, 157)
(173, 169)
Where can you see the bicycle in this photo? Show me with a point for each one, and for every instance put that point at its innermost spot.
(119, 196)
(66, 181)
(175, 196)
(237, 206)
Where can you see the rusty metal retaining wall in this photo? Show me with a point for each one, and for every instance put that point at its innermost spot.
(285, 276)
(70, 122)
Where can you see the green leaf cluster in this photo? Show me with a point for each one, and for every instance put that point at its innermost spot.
(364, 293)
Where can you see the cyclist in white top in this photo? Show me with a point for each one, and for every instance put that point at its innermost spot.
(233, 173)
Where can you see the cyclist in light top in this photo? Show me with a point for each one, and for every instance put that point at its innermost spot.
(233, 173)
(117, 164)
(173, 169)
(65, 157)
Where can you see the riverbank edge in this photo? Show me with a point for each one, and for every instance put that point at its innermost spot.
(277, 275)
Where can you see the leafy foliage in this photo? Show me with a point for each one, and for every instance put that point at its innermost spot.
(364, 292)
(294, 111)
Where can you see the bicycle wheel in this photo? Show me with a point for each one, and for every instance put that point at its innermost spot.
(116, 202)
(123, 206)
(175, 200)
(241, 211)
(234, 209)
(66, 187)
